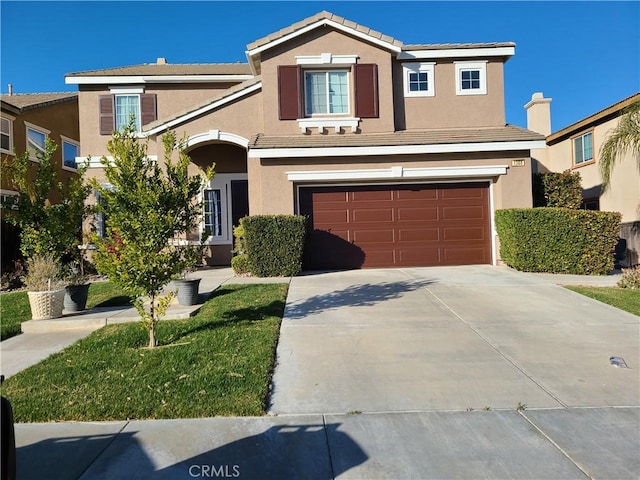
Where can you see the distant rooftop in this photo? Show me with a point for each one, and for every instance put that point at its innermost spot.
(28, 101)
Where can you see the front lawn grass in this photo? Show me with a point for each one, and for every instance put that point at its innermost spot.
(216, 363)
(14, 307)
(623, 298)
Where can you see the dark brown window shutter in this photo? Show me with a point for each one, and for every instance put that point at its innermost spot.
(289, 92)
(366, 89)
(148, 107)
(107, 123)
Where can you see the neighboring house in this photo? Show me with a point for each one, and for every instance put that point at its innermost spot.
(577, 148)
(27, 120)
(399, 154)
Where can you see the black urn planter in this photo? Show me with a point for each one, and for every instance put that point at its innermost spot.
(187, 290)
(75, 297)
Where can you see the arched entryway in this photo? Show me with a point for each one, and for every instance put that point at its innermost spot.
(226, 197)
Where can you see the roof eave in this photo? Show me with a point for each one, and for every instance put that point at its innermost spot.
(151, 79)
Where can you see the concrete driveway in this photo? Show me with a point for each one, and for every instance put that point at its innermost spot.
(449, 338)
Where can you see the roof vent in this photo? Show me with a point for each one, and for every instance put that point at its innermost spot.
(161, 61)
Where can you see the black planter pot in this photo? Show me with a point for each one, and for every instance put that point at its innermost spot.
(75, 298)
(187, 290)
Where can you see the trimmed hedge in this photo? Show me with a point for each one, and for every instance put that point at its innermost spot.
(554, 189)
(275, 244)
(558, 240)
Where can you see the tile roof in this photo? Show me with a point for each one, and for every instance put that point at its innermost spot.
(450, 46)
(27, 101)
(170, 69)
(324, 15)
(508, 133)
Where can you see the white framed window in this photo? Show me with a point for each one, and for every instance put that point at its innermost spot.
(70, 150)
(125, 106)
(36, 139)
(419, 80)
(9, 199)
(583, 148)
(213, 212)
(471, 78)
(326, 92)
(6, 133)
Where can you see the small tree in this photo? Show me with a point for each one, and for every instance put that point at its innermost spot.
(48, 227)
(147, 206)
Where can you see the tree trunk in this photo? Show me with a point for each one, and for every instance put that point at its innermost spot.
(153, 342)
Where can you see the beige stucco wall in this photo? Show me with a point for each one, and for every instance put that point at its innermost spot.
(320, 41)
(624, 194)
(446, 109)
(270, 192)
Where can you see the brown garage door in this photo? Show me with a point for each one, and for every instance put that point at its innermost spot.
(399, 225)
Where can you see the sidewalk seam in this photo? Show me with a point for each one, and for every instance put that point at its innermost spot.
(496, 349)
(115, 437)
(558, 447)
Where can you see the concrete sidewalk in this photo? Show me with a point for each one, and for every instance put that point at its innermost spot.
(399, 374)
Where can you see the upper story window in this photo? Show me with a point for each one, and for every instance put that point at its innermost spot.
(6, 134)
(115, 110)
(36, 139)
(419, 79)
(583, 148)
(70, 150)
(471, 78)
(326, 92)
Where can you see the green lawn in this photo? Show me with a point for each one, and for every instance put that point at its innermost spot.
(14, 307)
(216, 363)
(622, 298)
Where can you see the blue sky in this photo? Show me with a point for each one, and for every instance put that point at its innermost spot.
(585, 55)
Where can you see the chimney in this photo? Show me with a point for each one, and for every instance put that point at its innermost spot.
(10, 89)
(161, 61)
(539, 114)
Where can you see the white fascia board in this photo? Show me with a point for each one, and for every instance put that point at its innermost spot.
(96, 162)
(458, 53)
(398, 173)
(145, 79)
(331, 23)
(200, 111)
(394, 150)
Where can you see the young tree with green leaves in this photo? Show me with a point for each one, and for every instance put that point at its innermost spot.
(147, 205)
(625, 137)
(47, 227)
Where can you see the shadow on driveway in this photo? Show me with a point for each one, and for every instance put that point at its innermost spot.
(362, 295)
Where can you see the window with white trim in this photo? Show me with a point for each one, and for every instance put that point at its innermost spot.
(583, 148)
(213, 212)
(326, 92)
(419, 79)
(6, 135)
(125, 107)
(471, 78)
(70, 150)
(36, 140)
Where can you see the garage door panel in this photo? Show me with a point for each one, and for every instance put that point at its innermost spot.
(463, 233)
(417, 213)
(362, 215)
(463, 213)
(374, 236)
(418, 234)
(397, 225)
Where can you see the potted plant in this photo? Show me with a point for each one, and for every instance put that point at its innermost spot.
(188, 288)
(77, 289)
(44, 288)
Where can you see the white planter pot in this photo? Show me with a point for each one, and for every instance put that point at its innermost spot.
(46, 305)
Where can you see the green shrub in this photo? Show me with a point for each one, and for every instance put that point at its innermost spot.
(240, 264)
(630, 278)
(554, 189)
(558, 240)
(275, 244)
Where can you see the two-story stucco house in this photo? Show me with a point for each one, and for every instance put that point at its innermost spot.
(577, 148)
(26, 121)
(399, 154)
